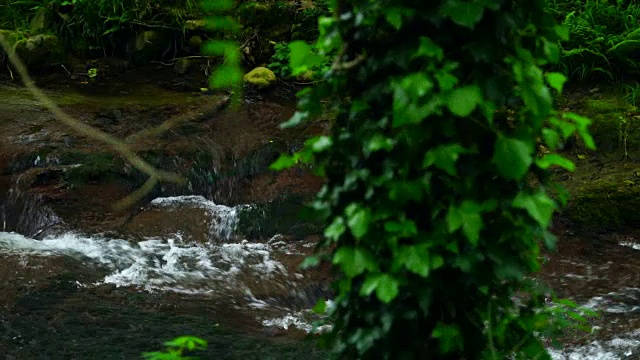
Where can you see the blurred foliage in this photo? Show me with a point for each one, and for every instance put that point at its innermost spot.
(433, 185)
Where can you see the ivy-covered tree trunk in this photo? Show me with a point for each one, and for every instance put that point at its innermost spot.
(436, 201)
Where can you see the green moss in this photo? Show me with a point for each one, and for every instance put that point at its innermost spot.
(93, 167)
(612, 123)
(260, 77)
(603, 106)
(606, 204)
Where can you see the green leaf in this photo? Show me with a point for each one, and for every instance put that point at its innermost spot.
(582, 124)
(309, 262)
(464, 13)
(354, 261)
(358, 219)
(429, 49)
(218, 47)
(463, 101)
(554, 159)
(284, 162)
(512, 158)
(551, 138)
(562, 32)
(379, 142)
(394, 17)
(298, 118)
(320, 307)
(302, 58)
(539, 206)
(319, 143)
(415, 258)
(556, 80)
(468, 216)
(335, 229)
(404, 228)
(388, 288)
(444, 157)
(450, 337)
(226, 76)
(550, 240)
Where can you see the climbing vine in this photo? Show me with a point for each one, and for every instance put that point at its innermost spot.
(436, 201)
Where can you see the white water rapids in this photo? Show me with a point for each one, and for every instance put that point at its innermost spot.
(233, 268)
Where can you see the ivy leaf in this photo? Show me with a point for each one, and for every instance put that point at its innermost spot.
(556, 80)
(320, 307)
(378, 142)
(512, 157)
(335, 229)
(309, 262)
(298, 118)
(403, 228)
(429, 49)
(388, 288)
(415, 258)
(444, 157)
(554, 159)
(302, 58)
(319, 143)
(358, 219)
(450, 337)
(354, 261)
(284, 162)
(468, 216)
(539, 206)
(582, 124)
(226, 76)
(385, 286)
(551, 138)
(463, 101)
(394, 17)
(464, 13)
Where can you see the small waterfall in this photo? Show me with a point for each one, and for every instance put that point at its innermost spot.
(225, 219)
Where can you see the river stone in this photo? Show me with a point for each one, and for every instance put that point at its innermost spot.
(260, 77)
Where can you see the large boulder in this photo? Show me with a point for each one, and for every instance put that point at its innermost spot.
(260, 77)
(39, 49)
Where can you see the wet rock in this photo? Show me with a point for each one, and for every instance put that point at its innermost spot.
(192, 217)
(24, 274)
(260, 77)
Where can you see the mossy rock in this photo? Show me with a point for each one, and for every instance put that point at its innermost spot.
(611, 123)
(260, 77)
(39, 50)
(606, 204)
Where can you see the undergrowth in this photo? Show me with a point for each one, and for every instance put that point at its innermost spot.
(604, 42)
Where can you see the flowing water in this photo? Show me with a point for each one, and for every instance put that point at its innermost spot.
(252, 283)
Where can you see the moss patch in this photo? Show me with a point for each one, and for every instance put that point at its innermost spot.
(607, 203)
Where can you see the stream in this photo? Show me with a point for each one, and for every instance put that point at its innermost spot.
(217, 259)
